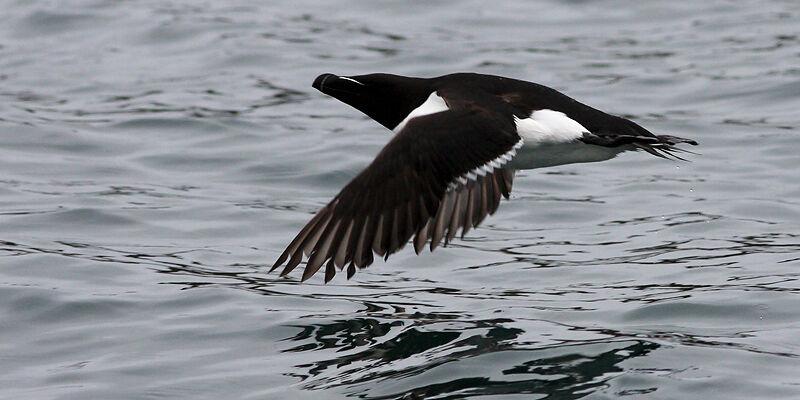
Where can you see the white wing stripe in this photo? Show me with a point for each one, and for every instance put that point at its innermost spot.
(487, 168)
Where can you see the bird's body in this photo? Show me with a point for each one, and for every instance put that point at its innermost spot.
(458, 140)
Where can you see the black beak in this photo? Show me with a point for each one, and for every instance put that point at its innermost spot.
(340, 87)
(319, 83)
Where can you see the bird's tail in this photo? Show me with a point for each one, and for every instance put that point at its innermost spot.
(658, 145)
(664, 146)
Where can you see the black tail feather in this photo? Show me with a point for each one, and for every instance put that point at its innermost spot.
(665, 147)
(658, 145)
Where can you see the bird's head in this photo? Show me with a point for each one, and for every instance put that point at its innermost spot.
(385, 98)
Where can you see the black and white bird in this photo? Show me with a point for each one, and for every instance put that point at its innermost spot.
(458, 140)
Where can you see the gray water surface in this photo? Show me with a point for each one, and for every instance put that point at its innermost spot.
(156, 157)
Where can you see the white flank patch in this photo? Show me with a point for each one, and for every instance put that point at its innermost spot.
(432, 105)
(551, 138)
(548, 127)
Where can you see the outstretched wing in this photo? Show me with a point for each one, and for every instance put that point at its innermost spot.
(441, 172)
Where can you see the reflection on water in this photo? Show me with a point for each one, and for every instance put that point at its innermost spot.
(428, 355)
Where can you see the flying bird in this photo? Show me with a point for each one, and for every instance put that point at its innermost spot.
(457, 141)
